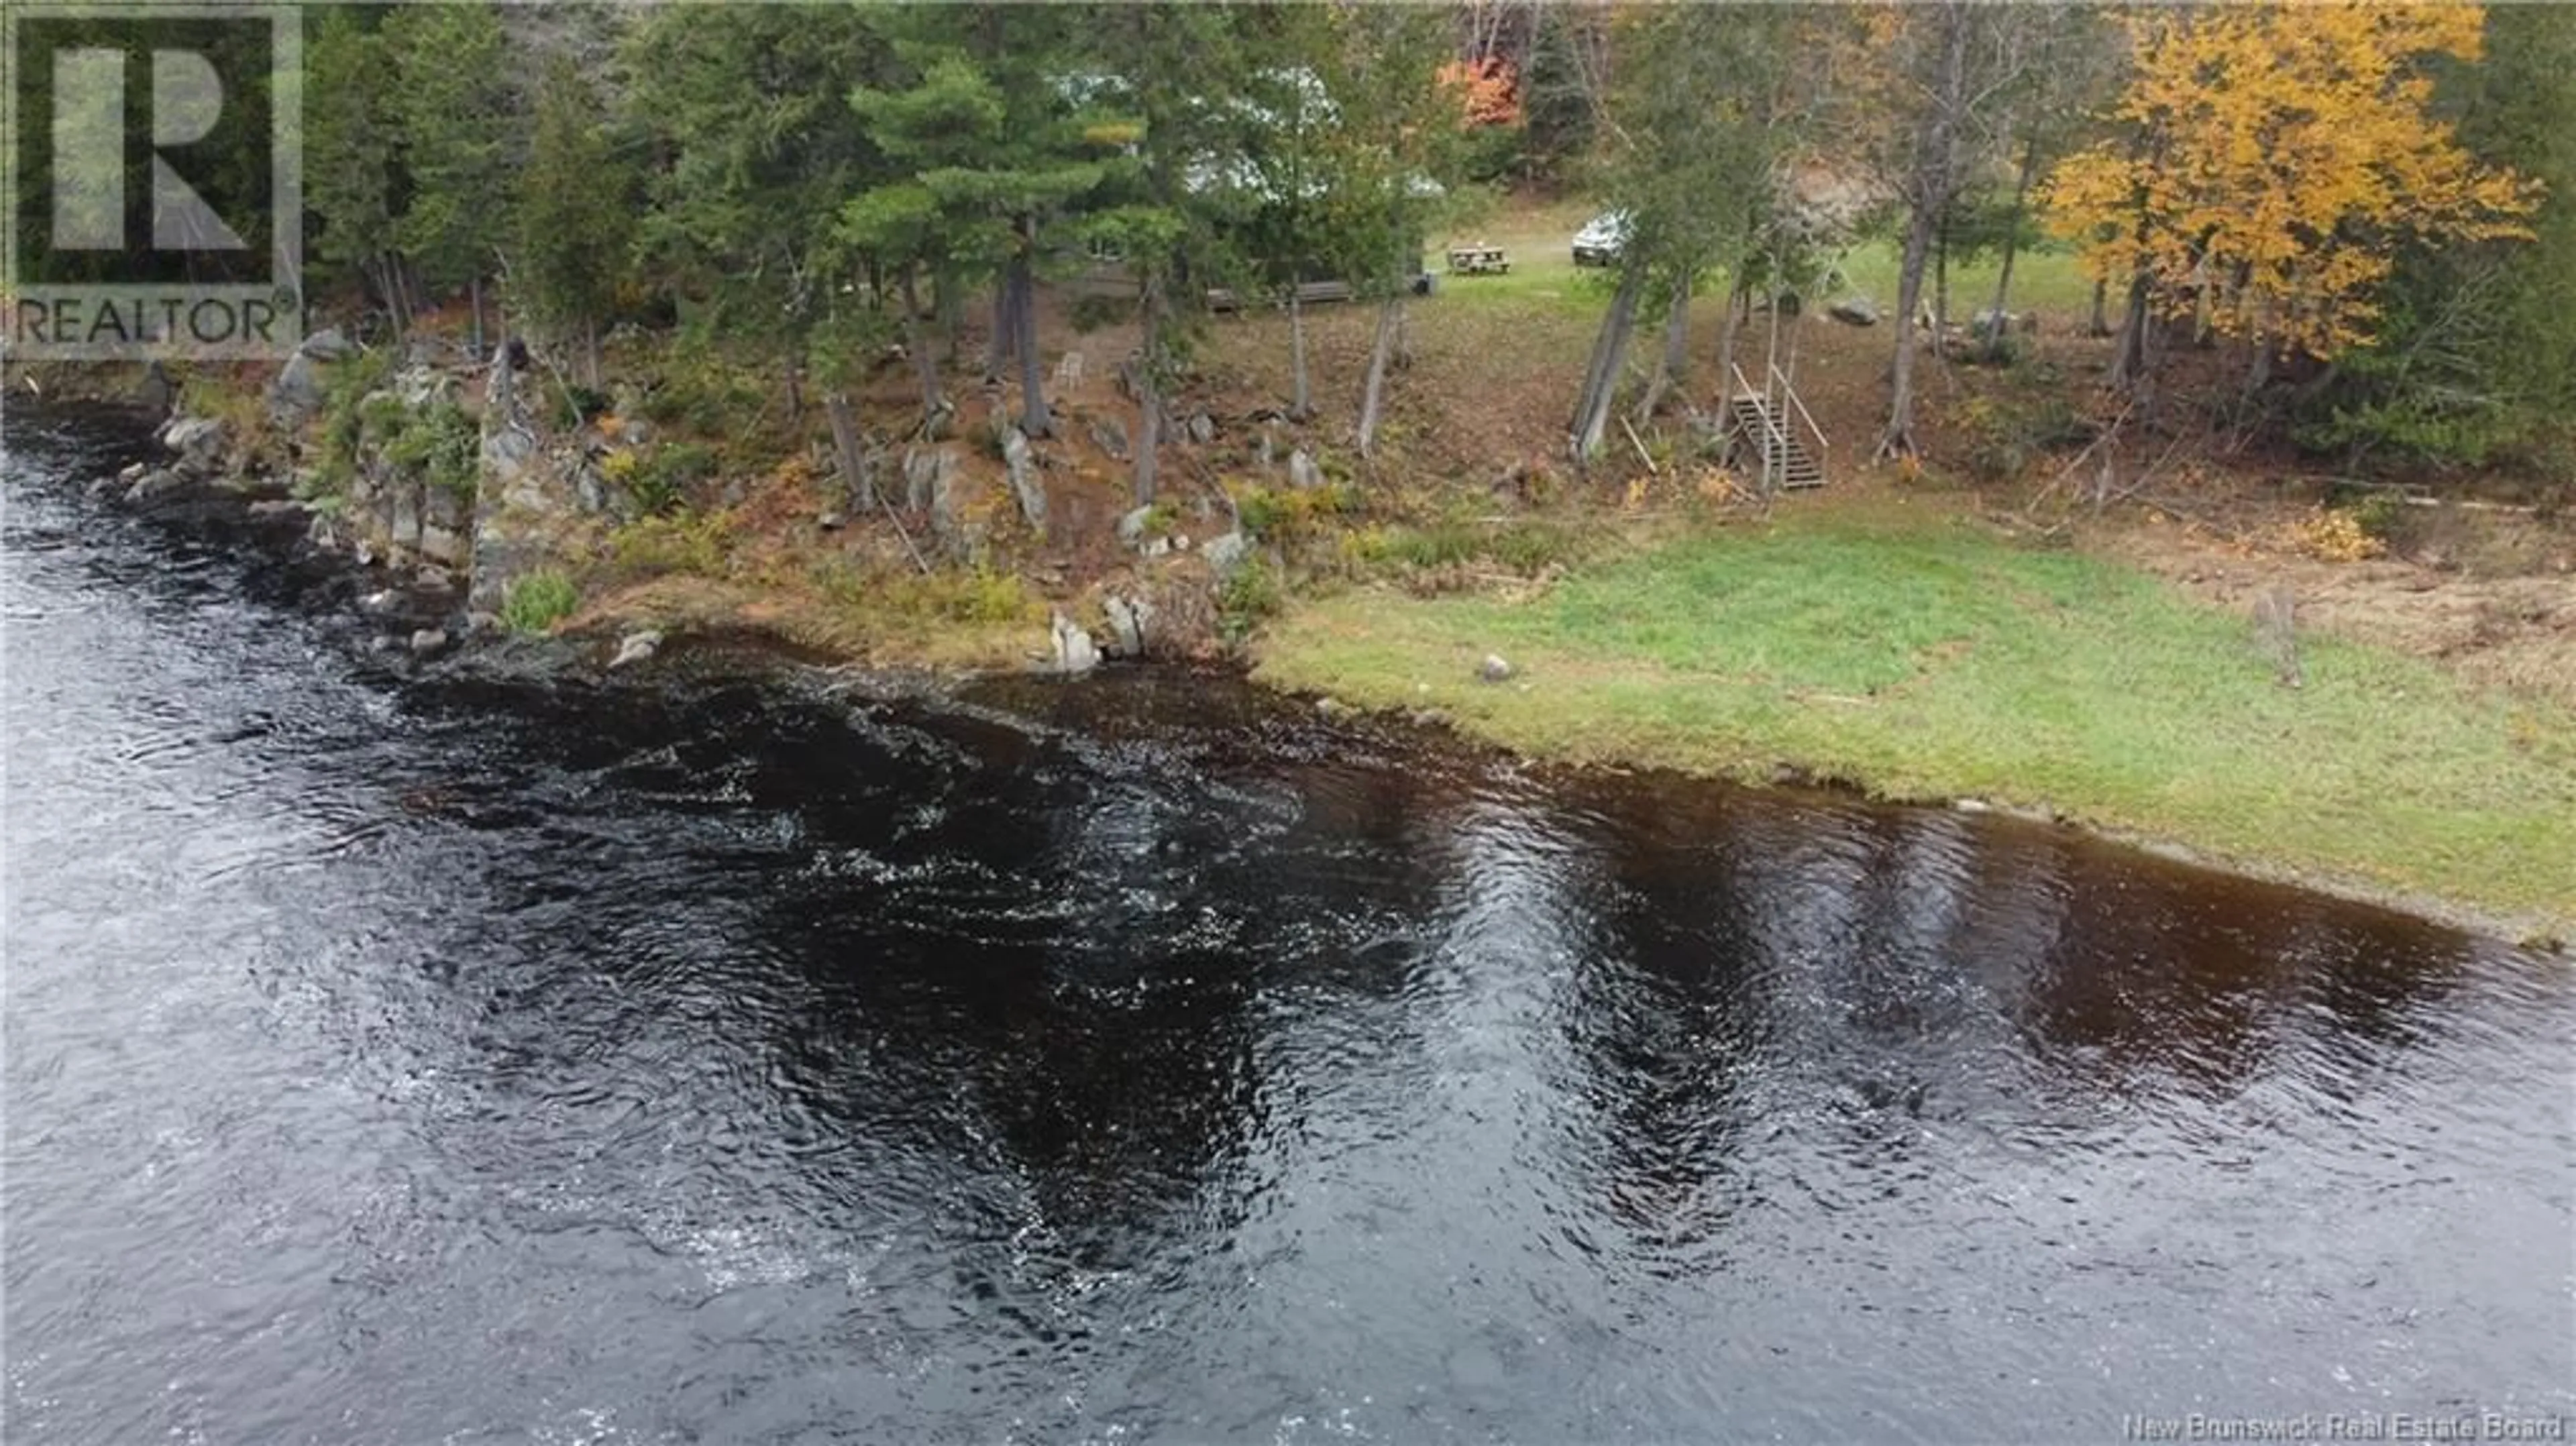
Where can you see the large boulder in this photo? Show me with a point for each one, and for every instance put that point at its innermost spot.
(197, 441)
(1075, 653)
(1129, 618)
(296, 393)
(1854, 311)
(1226, 551)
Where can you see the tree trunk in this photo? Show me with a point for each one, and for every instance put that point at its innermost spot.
(590, 352)
(924, 365)
(846, 447)
(2100, 324)
(474, 328)
(2129, 353)
(1941, 285)
(1390, 320)
(1149, 390)
(1005, 333)
(1301, 403)
(2012, 235)
(1674, 369)
(1936, 160)
(951, 306)
(1738, 298)
(1899, 439)
(1035, 419)
(1609, 353)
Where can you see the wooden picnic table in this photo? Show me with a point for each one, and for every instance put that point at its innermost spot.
(1479, 259)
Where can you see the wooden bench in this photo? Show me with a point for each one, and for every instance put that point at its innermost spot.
(1478, 260)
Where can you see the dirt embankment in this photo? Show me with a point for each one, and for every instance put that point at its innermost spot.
(2489, 593)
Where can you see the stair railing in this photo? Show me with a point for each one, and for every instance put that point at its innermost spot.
(1824, 447)
(1774, 442)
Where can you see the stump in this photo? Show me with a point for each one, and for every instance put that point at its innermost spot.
(2276, 633)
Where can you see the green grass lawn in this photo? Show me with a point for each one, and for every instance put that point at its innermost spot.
(1921, 657)
(1540, 242)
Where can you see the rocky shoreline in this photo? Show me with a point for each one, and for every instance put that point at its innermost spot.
(409, 612)
(405, 604)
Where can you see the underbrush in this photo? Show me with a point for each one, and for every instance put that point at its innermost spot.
(965, 595)
(695, 544)
(537, 601)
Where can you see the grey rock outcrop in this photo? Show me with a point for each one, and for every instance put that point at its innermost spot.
(1129, 621)
(1075, 653)
(1022, 460)
(1226, 552)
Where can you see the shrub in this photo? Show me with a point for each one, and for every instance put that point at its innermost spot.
(2381, 515)
(440, 445)
(1532, 547)
(973, 595)
(1281, 513)
(346, 386)
(673, 544)
(698, 392)
(2334, 536)
(660, 480)
(578, 404)
(979, 595)
(2006, 437)
(538, 600)
(1249, 595)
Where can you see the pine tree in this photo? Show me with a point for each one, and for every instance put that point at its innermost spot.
(575, 214)
(349, 142)
(456, 115)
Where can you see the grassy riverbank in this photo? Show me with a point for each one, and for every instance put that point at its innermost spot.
(1919, 656)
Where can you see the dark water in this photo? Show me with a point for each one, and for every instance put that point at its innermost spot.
(395, 1062)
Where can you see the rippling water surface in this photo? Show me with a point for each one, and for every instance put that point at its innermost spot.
(403, 1062)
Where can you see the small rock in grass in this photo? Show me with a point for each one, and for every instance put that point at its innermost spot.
(1494, 669)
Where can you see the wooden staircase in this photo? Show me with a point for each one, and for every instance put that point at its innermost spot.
(1768, 436)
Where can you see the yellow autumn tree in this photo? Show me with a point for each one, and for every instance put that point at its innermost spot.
(2267, 160)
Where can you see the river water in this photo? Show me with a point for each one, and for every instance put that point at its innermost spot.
(401, 1061)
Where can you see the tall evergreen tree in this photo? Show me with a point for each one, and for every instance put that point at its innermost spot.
(458, 119)
(349, 145)
(2474, 349)
(756, 149)
(575, 214)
